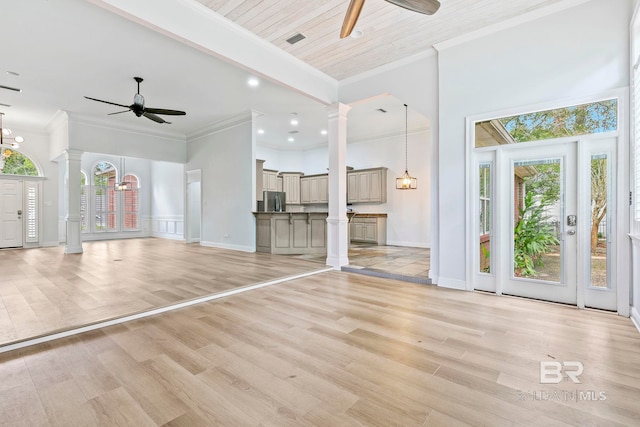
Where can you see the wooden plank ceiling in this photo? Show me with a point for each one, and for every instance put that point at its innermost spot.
(390, 32)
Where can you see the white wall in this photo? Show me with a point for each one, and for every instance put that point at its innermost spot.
(167, 200)
(227, 161)
(408, 211)
(577, 52)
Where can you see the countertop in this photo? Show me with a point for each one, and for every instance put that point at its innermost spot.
(369, 215)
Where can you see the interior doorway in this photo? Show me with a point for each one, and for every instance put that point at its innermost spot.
(194, 206)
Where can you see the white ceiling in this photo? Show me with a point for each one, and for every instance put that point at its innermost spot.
(64, 50)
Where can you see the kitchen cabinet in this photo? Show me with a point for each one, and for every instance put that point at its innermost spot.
(314, 189)
(368, 228)
(291, 186)
(367, 186)
(291, 233)
(269, 180)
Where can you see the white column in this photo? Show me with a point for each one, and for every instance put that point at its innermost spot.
(73, 243)
(337, 223)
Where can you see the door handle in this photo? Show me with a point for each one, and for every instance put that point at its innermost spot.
(19, 211)
(571, 232)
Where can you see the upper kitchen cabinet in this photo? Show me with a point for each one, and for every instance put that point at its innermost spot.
(314, 189)
(367, 186)
(269, 180)
(291, 186)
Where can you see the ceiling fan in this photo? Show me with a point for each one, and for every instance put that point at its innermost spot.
(427, 7)
(139, 109)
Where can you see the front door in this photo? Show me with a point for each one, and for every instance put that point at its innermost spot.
(541, 220)
(10, 214)
(546, 221)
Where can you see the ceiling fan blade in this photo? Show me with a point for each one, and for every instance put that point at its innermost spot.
(427, 7)
(119, 112)
(165, 111)
(155, 118)
(350, 19)
(107, 102)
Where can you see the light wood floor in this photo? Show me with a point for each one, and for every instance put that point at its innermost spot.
(43, 290)
(334, 349)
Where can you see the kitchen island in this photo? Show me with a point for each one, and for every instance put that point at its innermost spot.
(291, 233)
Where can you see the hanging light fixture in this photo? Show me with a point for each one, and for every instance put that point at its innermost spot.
(406, 181)
(4, 136)
(122, 185)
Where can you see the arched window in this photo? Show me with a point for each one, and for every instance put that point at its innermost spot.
(105, 207)
(15, 163)
(130, 202)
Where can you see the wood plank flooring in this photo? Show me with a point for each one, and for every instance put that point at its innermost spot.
(43, 290)
(334, 349)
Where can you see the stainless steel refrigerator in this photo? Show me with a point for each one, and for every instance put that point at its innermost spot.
(273, 201)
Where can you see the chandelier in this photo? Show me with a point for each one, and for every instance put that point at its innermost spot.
(5, 134)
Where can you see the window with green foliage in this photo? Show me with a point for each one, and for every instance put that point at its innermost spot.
(596, 117)
(15, 163)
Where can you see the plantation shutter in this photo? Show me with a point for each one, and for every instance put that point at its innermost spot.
(636, 137)
(32, 214)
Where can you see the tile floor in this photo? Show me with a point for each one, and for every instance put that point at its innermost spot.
(399, 262)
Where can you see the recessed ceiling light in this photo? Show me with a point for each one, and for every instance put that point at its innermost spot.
(261, 131)
(294, 122)
(323, 132)
(356, 34)
(253, 82)
(290, 139)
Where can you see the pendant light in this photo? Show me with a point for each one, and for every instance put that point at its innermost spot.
(406, 181)
(122, 185)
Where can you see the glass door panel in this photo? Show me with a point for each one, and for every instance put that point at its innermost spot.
(537, 244)
(540, 213)
(598, 156)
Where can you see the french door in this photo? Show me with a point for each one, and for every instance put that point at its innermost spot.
(545, 214)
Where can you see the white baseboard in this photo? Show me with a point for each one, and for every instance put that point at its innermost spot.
(168, 236)
(51, 244)
(448, 283)
(408, 244)
(227, 246)
(635, 317)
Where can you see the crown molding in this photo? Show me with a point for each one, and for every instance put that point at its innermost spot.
(222, 125)
(81, 119)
